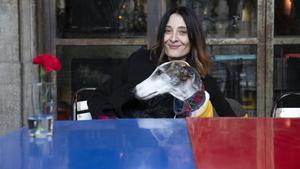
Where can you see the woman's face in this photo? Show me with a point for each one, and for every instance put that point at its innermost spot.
(176, 40)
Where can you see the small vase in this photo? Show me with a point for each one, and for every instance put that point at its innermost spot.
(44, 93)
(40, 120)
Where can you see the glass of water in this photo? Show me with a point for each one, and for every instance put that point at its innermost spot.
(40, 119)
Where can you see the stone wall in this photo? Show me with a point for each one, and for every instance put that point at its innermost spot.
(17, 46)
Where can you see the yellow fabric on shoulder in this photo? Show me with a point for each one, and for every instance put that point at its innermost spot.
(206, 111)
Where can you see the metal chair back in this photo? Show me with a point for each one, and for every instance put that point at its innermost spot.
(80, 106)
(287, 105)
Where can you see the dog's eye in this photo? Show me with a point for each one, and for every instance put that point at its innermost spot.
(158, 72)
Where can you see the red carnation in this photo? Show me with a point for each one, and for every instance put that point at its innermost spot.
(48, 62)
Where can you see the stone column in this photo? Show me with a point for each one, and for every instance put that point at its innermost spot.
(17, 47)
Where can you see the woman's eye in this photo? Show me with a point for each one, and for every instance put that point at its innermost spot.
(182, 32)
(168, 31)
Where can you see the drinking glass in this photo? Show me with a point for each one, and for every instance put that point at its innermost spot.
(40, 120)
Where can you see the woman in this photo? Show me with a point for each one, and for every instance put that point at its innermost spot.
(179, 38)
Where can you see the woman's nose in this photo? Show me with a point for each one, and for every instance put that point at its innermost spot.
(173, 37)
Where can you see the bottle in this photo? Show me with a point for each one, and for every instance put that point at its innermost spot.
(139, 17)
(123, 18)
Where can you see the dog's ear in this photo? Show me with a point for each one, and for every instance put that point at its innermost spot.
(186, 72)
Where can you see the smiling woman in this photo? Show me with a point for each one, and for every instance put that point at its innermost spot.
(179, 37)
(184, 23)
(177, 43)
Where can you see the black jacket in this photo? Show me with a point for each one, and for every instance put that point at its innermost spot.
(115, 98)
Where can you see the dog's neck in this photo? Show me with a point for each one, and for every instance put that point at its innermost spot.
(183, 94)
(187, 92)
(186, 107)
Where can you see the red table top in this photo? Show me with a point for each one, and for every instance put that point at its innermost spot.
(239, 143)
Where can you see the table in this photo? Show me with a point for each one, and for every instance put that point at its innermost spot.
(213, 143)
(101, 144)
(262, 143)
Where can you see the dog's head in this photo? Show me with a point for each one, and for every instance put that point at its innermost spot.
(175, 77)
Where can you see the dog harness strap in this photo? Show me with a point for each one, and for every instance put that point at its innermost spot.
(184, 108)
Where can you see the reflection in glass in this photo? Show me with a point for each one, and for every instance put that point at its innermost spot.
(85, 66)
(286, 69)
(234, 68)
(287, 17)
(101, 18)
(223, 18)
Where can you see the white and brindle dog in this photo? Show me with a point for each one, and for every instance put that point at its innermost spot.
(184, 83)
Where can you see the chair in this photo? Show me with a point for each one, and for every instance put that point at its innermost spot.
(80, 106)
(236, 107)
(287, 105)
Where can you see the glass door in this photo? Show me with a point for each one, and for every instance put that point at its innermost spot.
(285, 54)
(92, 39)
(231, 31)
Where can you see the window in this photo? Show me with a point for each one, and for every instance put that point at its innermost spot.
(248, 40)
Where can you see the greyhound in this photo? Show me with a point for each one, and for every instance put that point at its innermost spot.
(183, 82)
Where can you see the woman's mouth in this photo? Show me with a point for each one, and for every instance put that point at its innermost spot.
(174, 46)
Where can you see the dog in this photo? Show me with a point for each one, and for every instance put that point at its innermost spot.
(183, 82)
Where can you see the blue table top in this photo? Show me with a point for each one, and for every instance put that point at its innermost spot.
(102, 144)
